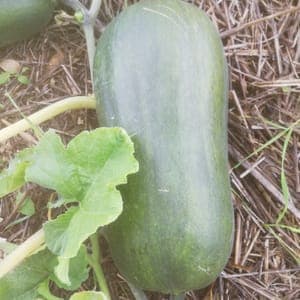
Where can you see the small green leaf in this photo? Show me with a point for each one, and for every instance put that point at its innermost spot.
(290, 228)
(283, 181)
(27, 208)
(43, 290)
(21, 283)
(30, 295)
(89, 295)
(70, 273)
(62, 270)
(13, 177)
(51, 168)
(6, 247)
(79, 17)
(87, 172)
(100, 208)
(4, 77)
(23, 79)
(28, 279)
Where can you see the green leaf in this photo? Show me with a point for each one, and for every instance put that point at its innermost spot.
(29, 277)
(290, 228)
(79, 17)
(4, 77)
(52, 168)
(84, 220)
(98, 161)
(6, 247)
(283, 181)
(43, 290)
(30, 295)
(70, 273)
(86, 173)
(22, 282)
(23, 79)
(27, 208)
(89, 295)
(62, 270)
(13, 177)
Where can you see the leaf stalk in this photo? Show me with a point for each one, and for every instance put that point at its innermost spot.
(95, 261)
(26, 249)
(47, 113)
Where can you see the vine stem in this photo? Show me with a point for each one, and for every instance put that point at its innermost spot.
(95, 262)
(26, 249)
(89, 19)
(47, 113)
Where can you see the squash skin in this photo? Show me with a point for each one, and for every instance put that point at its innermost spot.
(161, 74)
(21, 19)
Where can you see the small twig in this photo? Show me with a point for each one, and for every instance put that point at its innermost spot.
(266, 260)
(47, 113)
(237, 246)
(266, 183)
(286, 245)
(256, 164)
(15, 210)
(223, 275)
(293, 82)
(277, 47)
(257, 288)
(245, 256)
(243, 26)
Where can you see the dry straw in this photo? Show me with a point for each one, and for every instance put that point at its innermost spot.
(262, 45)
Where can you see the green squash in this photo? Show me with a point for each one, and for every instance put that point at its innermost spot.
(161, 74)
(21, 19)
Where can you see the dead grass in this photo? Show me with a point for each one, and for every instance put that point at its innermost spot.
(262, 45)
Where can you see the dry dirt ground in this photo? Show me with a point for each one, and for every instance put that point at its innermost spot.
(262, 45)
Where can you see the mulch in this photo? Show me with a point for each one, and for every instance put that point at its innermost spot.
(262, 45)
